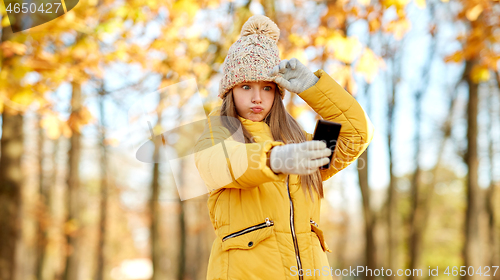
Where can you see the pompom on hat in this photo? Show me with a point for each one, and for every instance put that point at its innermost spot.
(253, 56)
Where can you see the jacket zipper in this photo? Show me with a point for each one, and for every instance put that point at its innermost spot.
(292, 228)
(314, 223)
(267, 223)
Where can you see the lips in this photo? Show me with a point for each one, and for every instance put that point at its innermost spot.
(257, 109)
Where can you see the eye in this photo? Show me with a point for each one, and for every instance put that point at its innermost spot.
(270, 88)
(244, 86)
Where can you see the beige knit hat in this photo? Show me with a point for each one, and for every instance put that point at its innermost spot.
(254, 54)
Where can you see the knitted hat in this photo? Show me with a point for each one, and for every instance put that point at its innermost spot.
(254, 54)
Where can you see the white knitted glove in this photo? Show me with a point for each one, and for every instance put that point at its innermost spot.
(299, 158)
(296, 76)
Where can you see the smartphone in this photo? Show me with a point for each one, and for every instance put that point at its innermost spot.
(327, 132)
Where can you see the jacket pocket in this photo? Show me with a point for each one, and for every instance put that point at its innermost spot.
(319, 233)
(249, 237)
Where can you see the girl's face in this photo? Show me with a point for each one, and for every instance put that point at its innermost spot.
(254, 100)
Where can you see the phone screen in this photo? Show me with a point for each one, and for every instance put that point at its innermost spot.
(327, 132)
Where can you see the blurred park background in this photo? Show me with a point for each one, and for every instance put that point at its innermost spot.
(75, 203)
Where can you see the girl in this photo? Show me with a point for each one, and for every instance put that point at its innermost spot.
(266, 227)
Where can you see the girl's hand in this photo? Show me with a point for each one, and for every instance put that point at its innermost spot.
(299, 158)
(296, 77)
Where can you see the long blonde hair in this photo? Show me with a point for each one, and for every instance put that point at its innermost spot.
(283, 127)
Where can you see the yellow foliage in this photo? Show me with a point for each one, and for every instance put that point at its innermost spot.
(23, 97)
(201, 70)
(79, 119)
(369, 64)
(399, 4)
(398, 27)
(54, 126)
(10, 48)
(20, 69)
(5, 21)
(212, 4)
(479, 73)
(364, 2)
(298, 41)
(473, 14)
(420, 3)
(190, 7)
(319, 41)
(51, 125)
(111, 142)
(71, 226)
(374, 25)
(344, 49)
(456, 57)
(298, 53)
(198, 47)
(343, 75)
(298, 110)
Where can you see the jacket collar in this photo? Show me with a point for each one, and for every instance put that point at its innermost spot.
(255, 127)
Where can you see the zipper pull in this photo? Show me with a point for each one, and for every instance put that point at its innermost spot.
(269, 223)
(313, 222)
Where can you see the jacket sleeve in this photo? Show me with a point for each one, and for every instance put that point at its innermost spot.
(333, 103)
(225, 163)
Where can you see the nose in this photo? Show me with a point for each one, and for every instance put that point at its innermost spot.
(256, 94)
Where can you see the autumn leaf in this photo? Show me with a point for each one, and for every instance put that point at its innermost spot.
(51, 125)
(79, 119)
(54, 126)
(479, 73)
(298, 53)
(298, 40)
(374, 25)
(24, 96)
(10, 48)
(474, 13)
(344, 49)
(398, 27)
(369, 64)
(70, 227)
(456, 57)
(190, 7)
(298, 110)
(343, 75)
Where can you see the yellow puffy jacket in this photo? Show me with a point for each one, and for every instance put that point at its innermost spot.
(266, 227)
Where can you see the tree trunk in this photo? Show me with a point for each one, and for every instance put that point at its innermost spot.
(43, 216)
(103, 214)
(10, 190)
(415, 240)
(367, 212)
(11, 176)
(494, 257)
(52, 182)
(181, 271)
(472, 244)
(392, 227)
(418, 219)
(155, 244)
(73, 191)
(155, 209)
